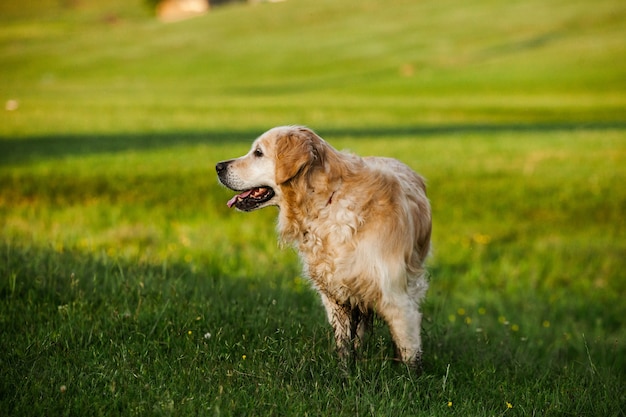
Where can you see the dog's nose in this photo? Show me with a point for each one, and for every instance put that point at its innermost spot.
(220, 167)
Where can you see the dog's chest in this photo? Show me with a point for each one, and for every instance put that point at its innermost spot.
(328, 242)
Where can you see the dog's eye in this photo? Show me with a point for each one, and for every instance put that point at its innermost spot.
(258, 153)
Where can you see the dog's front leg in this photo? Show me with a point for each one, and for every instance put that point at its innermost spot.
(340, 318)
(364, 322)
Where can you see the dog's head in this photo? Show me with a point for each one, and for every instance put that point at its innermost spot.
(276, 158)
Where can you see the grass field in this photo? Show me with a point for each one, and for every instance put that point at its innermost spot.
(128, 288)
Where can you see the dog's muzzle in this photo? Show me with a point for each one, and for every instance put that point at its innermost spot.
(247, 200)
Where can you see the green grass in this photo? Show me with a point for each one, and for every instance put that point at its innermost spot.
(128, 288)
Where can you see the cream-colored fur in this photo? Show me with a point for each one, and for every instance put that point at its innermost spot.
(361, 225)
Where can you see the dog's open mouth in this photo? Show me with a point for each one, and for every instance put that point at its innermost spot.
(251, 199)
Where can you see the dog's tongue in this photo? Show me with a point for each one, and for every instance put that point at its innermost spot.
(233, 200)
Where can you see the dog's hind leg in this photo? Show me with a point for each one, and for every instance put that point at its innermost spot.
(405, 322)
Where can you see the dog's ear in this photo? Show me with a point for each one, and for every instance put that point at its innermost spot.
(295, 151)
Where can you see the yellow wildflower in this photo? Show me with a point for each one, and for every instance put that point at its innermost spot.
(481, 239)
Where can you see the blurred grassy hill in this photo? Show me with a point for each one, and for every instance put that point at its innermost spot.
(72, 9)
(108, 66)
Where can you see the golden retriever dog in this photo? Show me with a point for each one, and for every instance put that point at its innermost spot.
(361, 226)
